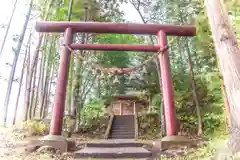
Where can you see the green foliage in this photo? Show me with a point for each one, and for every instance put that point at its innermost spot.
(92, 113)
(156, 103)
(201, 48)
(35, 128)
(149, 125)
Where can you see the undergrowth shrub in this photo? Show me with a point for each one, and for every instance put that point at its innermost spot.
(36, 127)
(148, 125)
(94, 119)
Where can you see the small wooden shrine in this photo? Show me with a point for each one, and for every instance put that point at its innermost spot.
(128, 104)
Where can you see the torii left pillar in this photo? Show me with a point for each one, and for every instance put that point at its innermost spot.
(55, 138)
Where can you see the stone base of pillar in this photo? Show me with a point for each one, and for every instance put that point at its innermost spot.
(54, 138)
(169, 142)
(57, 142)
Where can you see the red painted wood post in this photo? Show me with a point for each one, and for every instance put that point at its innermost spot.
(167, 87)
(59, 103)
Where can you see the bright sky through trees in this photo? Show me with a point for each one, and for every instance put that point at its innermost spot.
(7, 55)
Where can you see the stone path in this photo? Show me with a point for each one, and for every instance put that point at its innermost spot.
(114, 148)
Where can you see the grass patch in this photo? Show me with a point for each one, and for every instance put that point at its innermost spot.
(216, 146)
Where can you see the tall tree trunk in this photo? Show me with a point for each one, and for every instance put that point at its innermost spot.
(43, 77)
(30, 75)
(44, 100)
(21, 79)
(70, 81)
(227, 107)
(17, 52)
(163, 123)
(229, 58)
(194, 89)
(38, 87)
(181, 54)
(44, 107)
(26, 84)
(156, 60)
(49, 92)
(33, 64)
(70, 86)
(77, 122)
(32, 95)
(75, 106)
(8, 27)
(46, 77)
(99, 87)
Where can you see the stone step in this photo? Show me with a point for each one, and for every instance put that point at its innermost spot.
(122, 126)
(113, 158)
(123, 116)
(122, 132)
(111, 143)
(123, 119)
(122, 152)
(121, 136)
(123, 122)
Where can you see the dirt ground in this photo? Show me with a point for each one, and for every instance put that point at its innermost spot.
(13, 144)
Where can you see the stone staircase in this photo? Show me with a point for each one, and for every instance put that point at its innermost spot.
(120, 145)
(122, 127)
(114, 149)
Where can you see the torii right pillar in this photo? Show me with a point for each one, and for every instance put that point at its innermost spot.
(167, 87)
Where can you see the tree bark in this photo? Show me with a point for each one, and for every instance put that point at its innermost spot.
(43, 103)
(75, 108)
(32, 95)
(8, 27)
(227, 107)
(30, 75)
(33, 64)
(15, 60)
(194, 89)
(47, 75)
(157, 63)
(21, 79)
(229, 58)
(181, 55)
(163, 124)
(38, 87)
(70, 86)
(43, 77)
(26, 84)
(49, 92)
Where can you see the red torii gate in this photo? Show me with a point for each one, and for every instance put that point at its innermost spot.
(161, 31)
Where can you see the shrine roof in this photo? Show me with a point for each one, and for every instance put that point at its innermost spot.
(126, 97)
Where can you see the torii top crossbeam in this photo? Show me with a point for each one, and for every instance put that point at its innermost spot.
(121, 28)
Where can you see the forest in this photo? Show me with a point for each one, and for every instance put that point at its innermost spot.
(200, 95)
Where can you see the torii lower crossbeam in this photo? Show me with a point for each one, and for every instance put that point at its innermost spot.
(161, 31)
